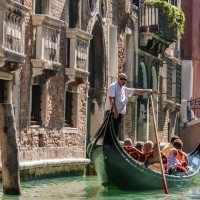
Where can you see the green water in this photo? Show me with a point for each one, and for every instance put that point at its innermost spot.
(90, 188)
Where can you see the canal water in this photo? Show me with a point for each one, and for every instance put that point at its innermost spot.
(90, 188)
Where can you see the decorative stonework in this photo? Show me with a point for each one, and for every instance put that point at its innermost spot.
(167, 104)
(79, 42)
(176, 107)
(12, 33)
(47, 43)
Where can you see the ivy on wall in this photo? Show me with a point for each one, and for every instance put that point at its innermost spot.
(175, 15)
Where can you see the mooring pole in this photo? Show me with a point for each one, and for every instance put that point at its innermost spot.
(9, 151)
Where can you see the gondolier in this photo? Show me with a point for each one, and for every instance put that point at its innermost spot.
(118, 95)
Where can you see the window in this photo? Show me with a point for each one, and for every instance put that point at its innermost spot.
(92, 5)
(3, 91)
(38, 7)
(73, 13)
(68, 109)
(42, 7)
(36, 105)
(71, 104)
(173, 2)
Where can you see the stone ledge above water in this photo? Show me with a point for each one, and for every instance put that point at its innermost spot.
(53, 162)
(52, 168)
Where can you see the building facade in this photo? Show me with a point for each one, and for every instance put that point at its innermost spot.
(58, 58)
(190, 76)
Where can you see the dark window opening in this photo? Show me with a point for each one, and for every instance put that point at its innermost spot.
(92, 5)
(3, 91)
(136, 3)
(172, 2)
(38, 7)
(92, 64)
(68, 109)
(73, 13)
(36, 105)
(140, 83)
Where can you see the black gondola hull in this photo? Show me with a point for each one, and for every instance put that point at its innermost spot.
(116, 168)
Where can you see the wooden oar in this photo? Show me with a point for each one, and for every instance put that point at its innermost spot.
(158, 148)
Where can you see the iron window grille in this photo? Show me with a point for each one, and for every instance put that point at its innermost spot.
(178, 84)
(169, 81)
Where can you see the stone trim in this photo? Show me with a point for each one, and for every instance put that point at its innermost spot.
(42, 20)
(52, 162)
(70, 130)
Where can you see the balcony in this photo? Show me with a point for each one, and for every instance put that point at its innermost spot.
(160, 24)
(46, 30)
(77, 69)
(12, 34)
(153, 20)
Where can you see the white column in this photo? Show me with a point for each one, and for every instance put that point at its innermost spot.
(73, 52)
(40, 43)
(183, 111)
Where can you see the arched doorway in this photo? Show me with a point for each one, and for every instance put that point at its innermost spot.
(96, 94)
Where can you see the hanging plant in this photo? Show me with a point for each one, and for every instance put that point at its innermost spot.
(175, 15)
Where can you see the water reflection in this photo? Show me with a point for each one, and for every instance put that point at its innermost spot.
(90, 188)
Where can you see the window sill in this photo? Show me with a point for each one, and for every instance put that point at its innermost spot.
(70, 130)
(35, 126)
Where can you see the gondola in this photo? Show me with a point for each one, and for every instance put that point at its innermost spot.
(115, 168)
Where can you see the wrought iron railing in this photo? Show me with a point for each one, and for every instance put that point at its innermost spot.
(193, 109)
(169, 81)
(173, 81)
(178, 83)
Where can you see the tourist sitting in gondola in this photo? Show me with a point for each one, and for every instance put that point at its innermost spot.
(172, 162)
(181, 155)
(140, 156)
(139, 145)
(169, 146)
(147, 147)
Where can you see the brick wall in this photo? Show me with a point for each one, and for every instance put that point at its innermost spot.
(190, 135)
(49, 141)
